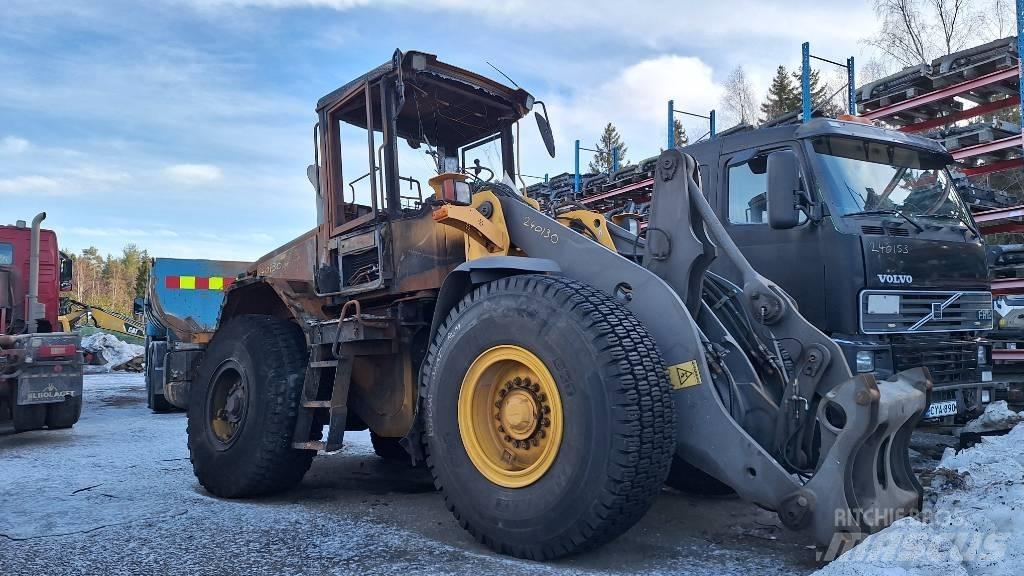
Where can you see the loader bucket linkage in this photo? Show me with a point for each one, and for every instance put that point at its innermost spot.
(781, 420)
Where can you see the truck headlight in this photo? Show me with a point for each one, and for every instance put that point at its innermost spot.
(986, 396)
(982, 356)
(865, 361)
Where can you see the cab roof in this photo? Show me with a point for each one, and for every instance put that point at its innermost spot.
(442, 103)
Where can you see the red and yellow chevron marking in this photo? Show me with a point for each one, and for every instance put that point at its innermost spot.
(198, 282)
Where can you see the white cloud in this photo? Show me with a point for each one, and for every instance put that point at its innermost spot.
(34, 184)
(634, 100)
(193, 174)
(117, 232)
(13, 145)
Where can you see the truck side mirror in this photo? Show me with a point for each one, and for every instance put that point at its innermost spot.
(139, 306)
(783, 185)
(67, 274)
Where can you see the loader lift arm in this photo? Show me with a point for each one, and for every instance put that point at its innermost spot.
(825, 449)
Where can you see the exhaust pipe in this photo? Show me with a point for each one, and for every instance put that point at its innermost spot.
(32, 311)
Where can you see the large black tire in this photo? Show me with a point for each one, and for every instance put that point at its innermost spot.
(389, 449)
(686, 477)
(28, 417)
(269, 356)
(619, 422)
(64, 414)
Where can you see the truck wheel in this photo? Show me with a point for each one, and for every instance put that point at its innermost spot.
(243, 406)
(28, 417)
(64, 414)
(686, 477)
(389, 448)
(550, 426)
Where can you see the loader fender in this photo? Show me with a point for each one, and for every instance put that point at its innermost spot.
(461, 281)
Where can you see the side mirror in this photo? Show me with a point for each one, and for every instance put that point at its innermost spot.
(67, 274)
(313, 174)
(783, 185)
(545, 129)
(139, 306)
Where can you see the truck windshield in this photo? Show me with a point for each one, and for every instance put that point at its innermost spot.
(863, 176)
(6, 254)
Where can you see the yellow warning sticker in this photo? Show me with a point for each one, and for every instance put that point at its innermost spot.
(684, 375)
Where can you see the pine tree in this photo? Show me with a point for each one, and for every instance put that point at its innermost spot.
(681, 139)
(610, 139)
(820, 94)
(783, 96)
(142, 278)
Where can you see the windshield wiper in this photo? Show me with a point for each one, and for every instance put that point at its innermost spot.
(895, 212)
(955, 216)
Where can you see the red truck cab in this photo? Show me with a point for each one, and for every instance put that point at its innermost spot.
(40, 370)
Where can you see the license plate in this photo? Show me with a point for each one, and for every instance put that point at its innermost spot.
(940, 409)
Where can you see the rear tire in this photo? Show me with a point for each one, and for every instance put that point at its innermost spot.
(614, 413)
(158, 403)
(64, 414)
(240, 442)
(28, 417)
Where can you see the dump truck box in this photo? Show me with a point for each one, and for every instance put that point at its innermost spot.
(181, 308)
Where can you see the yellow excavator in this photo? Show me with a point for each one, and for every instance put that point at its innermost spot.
(75, 314)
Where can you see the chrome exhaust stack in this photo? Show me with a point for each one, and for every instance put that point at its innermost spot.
(33, 309)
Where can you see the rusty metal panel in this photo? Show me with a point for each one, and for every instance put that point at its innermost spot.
(424, 252)
(295, 260)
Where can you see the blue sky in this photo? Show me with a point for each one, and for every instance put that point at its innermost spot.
(184, 126)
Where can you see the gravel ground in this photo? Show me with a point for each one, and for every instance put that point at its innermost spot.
(116, 495)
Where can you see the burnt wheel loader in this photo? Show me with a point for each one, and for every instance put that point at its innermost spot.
(552, 370)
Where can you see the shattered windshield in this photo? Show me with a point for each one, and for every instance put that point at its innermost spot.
(864, 176)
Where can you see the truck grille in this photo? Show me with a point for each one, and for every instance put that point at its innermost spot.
(927, 311)
(948, 361)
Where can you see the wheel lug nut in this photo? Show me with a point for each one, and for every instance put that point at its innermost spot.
(502, 392)
(535, 387)
(508, 438)
(501, 428)
(534, 440)
(543, 434)
(547, 423)
(542, 397)
(497, 404)
(547, 410)
(517, 381)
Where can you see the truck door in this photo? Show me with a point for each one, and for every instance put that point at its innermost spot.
(792, 258)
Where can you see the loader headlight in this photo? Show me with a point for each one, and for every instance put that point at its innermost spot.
(986, 396)
(982, 356)
(865, 361)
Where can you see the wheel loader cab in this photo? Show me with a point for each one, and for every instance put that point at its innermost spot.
(379, 141)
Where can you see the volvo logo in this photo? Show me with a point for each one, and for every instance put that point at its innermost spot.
(895, 278)
(936, 313)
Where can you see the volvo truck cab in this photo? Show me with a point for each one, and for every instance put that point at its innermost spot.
(865, 229)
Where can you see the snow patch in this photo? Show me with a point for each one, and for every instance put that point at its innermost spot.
(972, 521)
(113, 351)
(997, 416)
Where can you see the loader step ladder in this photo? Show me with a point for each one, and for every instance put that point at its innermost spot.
(328, 376)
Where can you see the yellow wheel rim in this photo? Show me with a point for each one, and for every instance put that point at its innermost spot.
(510, 416)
